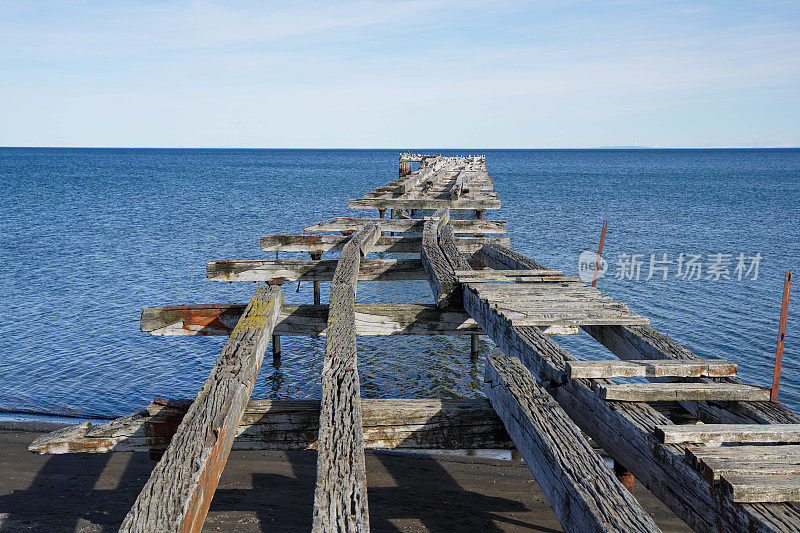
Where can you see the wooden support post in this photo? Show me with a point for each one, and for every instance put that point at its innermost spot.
(276, 347)
(178, 494)
(479, 214)
(581, 489)
(381, 213)
(340, 499)
(317, 292)
(776, 377)
(473, 346)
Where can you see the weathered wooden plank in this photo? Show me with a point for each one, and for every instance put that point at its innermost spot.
(421, 203)
(713, 469)
(489, 274)
(649, 368)
(581, 489)
(340, 498)
(500, 256)
(761, 488)
(625, 431)
(333, 243)
(450, 250)
(293, 425)
(717, 433)
(409, 225)
(312, 270)
(180, 488)
(514, 281)
(312, 320)
(653, 368)
(438, 269)
(643, 342)
(653, 392)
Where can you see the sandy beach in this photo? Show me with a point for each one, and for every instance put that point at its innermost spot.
(273, 491)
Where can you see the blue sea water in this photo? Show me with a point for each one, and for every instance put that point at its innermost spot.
(89, 237)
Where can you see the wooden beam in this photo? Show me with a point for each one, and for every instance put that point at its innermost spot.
(655, 392)
(333, 243)
(644, 342)
(499, 256)
(718, 433)
(649, 368)
(340, 499)
(755, 488)
(743, 462)
(420, 203)
(293, 425)
(311, 270)
(409, 225)
(625, 431)
(438, 269)
(312, 320)
(178, 494)
(581, 489)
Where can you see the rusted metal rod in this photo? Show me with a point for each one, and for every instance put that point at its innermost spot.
(599, 253)
(776, 377)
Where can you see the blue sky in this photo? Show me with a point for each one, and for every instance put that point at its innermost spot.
(400, 74)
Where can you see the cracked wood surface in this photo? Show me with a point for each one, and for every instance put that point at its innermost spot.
(581, 489)
(179, 492)
(293, 425)
(340, 498)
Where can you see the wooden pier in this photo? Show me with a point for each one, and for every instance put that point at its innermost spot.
(715, 450)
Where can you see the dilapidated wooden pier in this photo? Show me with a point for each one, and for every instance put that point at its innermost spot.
(715, 450)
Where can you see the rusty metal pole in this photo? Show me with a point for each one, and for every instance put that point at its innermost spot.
(479, 214)
(776, 377)
(381, 213)
(624, 476)
(599, 253)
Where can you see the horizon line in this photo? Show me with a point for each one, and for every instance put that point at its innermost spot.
(621, 147)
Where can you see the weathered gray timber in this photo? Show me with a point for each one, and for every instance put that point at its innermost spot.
(340, 499)
(333, 243)
(501, 275)
(312, 270)
(581, 489)
(180, 488)
(654, 392)
(718, 433)
(537, 303)
(650, 368)
(753, 488)
(421, 203)
(429, 168)
(643, 342)
(440, 272)
(625, 431)
(293, 425)
(450, 250)
(500, 257)
(744, 460)
(409, 225)
(305, 320)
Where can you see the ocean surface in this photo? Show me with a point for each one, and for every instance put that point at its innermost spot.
(89, 237)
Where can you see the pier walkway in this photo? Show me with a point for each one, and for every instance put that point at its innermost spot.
(715, 450)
